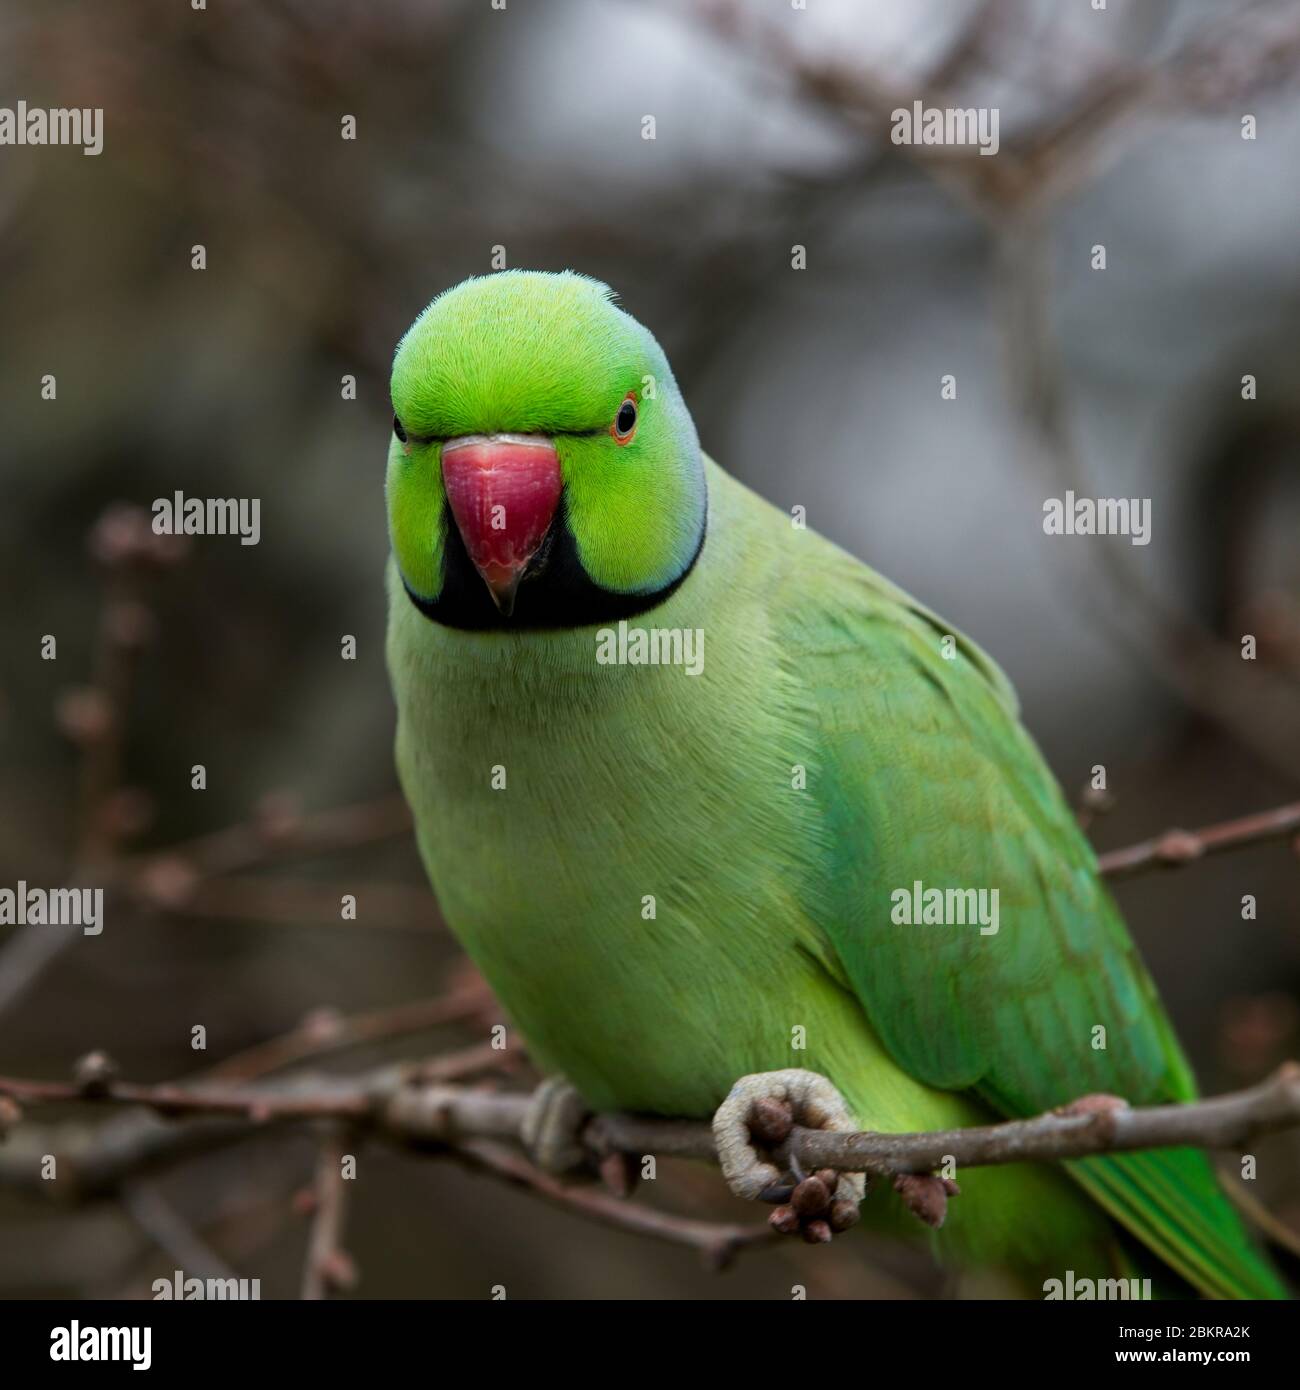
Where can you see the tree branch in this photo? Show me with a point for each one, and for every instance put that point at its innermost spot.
(399, 1104)
(1174, 848)
(324, 1031)
(718, 1244)
(328, 1266)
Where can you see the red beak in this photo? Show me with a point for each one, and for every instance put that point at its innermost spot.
(503, 490)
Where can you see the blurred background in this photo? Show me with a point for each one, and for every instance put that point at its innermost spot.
(521, 128)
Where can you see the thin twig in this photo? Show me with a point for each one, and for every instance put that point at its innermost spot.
(285, 834)
(323, 1032)
(328, 1267)
(718, 1244)
(171, 1232)
(258, 1105)
(288, 902)
(1174, 848)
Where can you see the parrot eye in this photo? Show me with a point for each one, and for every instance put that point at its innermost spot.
(624, 426)
(398, 430)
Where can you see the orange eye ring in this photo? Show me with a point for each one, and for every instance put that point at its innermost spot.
(625, 420)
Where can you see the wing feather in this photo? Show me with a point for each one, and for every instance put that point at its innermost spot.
(927, 776)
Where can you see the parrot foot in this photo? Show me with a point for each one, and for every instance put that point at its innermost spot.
(758, 1114)
(552, 1128)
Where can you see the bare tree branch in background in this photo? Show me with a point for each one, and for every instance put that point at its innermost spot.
(1246, 54)
(328, 1266)
(1177, 847)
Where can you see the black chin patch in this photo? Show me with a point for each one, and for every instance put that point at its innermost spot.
(555, 592)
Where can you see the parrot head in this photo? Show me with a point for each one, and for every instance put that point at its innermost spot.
(544, 470)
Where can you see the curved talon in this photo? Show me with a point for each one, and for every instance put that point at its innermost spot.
(778, 1193)
(552, 1128)
(765, 1106)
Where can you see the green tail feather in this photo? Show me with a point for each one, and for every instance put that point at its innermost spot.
(1171, 1200)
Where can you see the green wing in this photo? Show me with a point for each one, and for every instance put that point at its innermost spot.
(928, 777)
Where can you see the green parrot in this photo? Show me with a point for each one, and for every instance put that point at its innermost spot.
(679, 866)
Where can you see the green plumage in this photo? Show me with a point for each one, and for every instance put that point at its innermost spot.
(772, 888)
